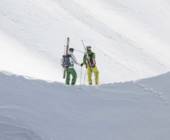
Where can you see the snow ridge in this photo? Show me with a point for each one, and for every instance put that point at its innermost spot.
(32, 110)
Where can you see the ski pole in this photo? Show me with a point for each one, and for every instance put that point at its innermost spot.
(84, 80)
(80, 75)
(83, 44)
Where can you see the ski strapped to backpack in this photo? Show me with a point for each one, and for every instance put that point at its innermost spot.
(66, 58)
(89, 61)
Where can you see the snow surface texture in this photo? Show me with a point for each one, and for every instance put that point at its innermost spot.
(130, 38)
(37, 110)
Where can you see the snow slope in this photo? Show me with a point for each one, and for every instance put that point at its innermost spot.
(15, 58)
(130, 37)
(37, 110)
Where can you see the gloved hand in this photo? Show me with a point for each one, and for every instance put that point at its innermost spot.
(92, 65)
(81, 64)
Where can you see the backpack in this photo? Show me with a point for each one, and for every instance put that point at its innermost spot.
(66, 61)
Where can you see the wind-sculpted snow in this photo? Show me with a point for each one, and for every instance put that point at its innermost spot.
(130, 38)
(37, 110)
(13, 126)
(11, 132)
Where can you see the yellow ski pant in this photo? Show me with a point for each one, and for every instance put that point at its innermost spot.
(90, 71)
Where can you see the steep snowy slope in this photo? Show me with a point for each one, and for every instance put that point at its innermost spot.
(15, 58)
(130, 37)
(36, 110)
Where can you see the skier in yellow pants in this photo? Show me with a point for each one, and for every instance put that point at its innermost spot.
(90, 62)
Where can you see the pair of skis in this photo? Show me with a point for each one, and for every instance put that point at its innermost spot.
(65, 55)
(85, 48)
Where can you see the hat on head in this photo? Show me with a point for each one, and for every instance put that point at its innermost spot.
(88, 47)
(71, 49)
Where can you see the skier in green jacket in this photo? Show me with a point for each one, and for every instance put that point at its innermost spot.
(90, 61)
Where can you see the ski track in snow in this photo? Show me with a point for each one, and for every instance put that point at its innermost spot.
(159, 94)
(11, 130)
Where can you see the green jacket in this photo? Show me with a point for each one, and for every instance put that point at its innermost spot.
(89, 59)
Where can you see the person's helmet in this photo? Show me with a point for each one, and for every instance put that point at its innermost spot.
(71, 49)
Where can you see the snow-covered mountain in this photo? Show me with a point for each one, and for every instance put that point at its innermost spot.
(130, 38)
(37, 110)
(131, 41)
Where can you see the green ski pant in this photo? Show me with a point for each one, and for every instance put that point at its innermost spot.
(71, 75)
